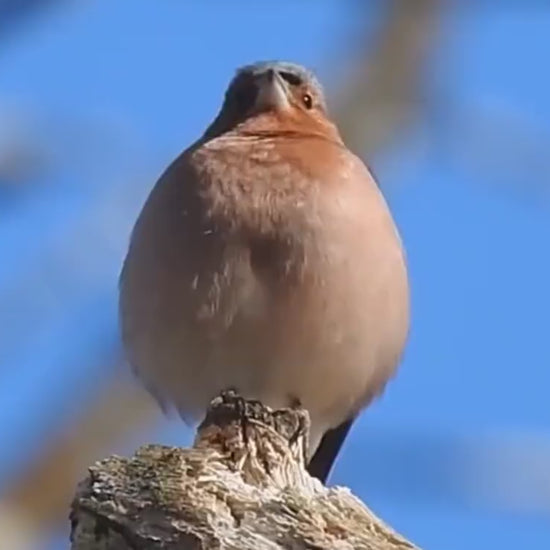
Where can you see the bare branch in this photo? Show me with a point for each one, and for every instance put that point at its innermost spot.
(243, 485)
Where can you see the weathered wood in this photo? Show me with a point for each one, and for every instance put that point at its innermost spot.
(242, 486)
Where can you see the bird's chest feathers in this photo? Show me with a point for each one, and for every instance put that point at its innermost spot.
(261, 191)
(289, 226)
(263, 201)
(263, 211)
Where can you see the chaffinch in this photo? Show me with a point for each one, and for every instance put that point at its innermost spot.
(266, 260)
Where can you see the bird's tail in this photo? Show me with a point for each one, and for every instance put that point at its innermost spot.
(322, 461)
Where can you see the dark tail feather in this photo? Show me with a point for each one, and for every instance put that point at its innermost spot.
(323, 459)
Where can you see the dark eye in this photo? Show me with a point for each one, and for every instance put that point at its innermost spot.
(307, 100)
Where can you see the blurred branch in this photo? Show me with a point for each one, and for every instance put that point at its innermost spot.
(384, 95)
(14, 12)
(22, 160)
(42, 494)
(494, 143)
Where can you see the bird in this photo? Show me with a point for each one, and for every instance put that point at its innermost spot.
(266, 260)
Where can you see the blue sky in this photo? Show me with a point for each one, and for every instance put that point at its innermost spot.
(469, 187)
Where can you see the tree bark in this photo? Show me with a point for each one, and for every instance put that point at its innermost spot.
(242, 486)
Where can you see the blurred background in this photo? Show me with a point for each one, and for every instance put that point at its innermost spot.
(449, 103)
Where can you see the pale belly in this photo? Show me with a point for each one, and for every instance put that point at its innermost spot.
(316, 313)
(329, 345)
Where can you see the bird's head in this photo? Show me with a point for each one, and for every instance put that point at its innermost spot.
(274, 96)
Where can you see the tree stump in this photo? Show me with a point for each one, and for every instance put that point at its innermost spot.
(242, 486)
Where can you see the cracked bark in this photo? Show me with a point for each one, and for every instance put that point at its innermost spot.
(242, 486)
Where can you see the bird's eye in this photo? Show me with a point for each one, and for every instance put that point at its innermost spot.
(307, 100)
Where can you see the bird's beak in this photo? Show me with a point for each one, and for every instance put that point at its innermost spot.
(272, 92)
